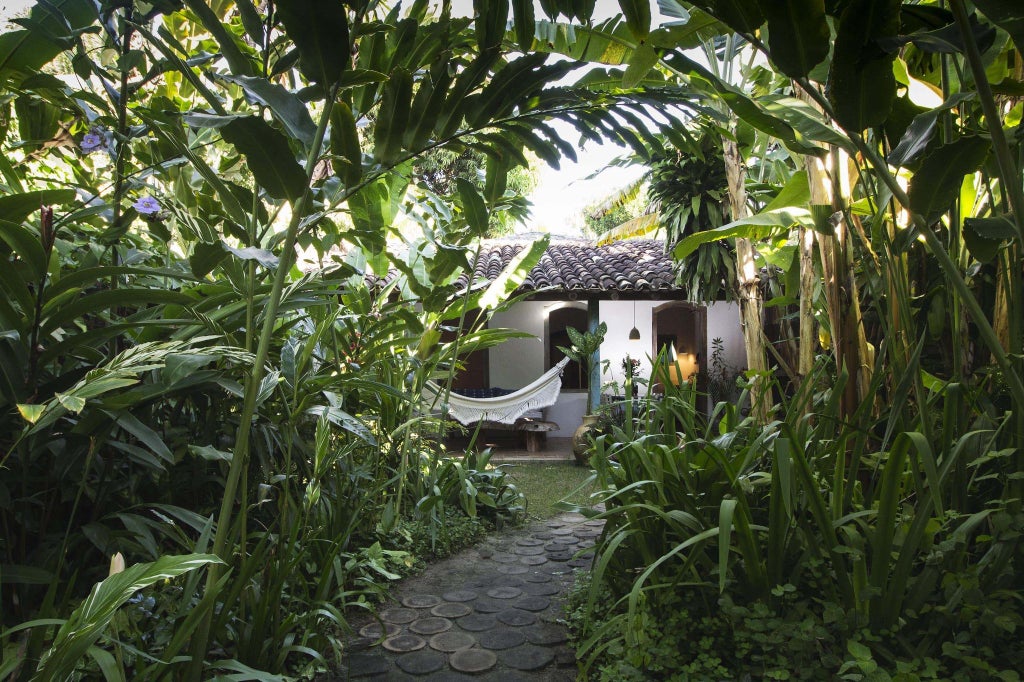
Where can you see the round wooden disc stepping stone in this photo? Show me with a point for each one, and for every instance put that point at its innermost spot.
(512, 569)
(505, 581)
(580, 563)
(404, 643)
(421, 601)
(594, 523)
(537, 578)
(498, 640)
(489, 606)
(540, 589)
(526, 657)
(473, 660)
(559, 556)
(451, 610)
(545, 535)
(364, 665)
(564, 540)
(503, 557)
(562, 531)
(478, 622)
(533, 560)
(554, 524)
(378, 630)
(545, 634)
(504, 592)
(529, 542)
(431, 626)
(516, 618)
(451, 641)
(529, 551)
(460, 595)
(398, 616)
(421, 662)
(532, 603)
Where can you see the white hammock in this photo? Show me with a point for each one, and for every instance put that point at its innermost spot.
(505, 409)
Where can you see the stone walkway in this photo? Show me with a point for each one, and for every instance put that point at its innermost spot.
(489, 613)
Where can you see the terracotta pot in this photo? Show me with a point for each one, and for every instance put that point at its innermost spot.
(581, 439)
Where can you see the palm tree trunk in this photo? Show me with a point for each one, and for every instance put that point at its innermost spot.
(749, 288)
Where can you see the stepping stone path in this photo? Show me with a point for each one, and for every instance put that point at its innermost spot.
(491, 613)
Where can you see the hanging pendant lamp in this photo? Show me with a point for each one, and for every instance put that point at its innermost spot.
(634, 333)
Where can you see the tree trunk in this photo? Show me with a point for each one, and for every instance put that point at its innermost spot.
(749, 288)
(829, 192)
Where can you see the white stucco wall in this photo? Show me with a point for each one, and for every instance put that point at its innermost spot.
(519, 361)
(618, 315)
(724, 322)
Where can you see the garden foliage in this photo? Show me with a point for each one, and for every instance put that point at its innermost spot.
(869, 528)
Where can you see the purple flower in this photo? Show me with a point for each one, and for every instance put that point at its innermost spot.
(92, 141)
(147, 206)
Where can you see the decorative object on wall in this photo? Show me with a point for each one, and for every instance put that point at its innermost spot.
(634, 333)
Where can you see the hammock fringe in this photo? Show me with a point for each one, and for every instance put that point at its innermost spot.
(506, 409)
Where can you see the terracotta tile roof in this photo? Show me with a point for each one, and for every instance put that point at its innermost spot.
(579, 266)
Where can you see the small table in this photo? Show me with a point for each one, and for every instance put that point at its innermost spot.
(536, 433)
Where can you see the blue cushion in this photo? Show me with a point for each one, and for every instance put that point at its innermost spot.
(494, 392)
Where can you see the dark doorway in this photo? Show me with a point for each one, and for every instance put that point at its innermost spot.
(574, 376)
(476, 366)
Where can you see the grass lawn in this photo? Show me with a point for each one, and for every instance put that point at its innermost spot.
(546, 484)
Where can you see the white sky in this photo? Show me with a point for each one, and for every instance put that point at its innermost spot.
(562, 194)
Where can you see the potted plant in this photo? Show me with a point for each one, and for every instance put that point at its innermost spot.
(584, 346)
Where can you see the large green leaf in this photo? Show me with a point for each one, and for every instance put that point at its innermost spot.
(473, 206)
(804, 118)
(268, 157)
(427, 106)
(798, 35)
(1007, 15)
(286, 106)
(514, 274)
(756, 226)
(232, 53)
(983, 237)
(640, 65)
(796, 193)
(393, 117)
(345, 144)
(936, 184)
(319, 29)
(742, 16)
(491, 18)
(638, 17)
(89, 621)
(920, 132)
(524, 23)
(25, 52)
(861, 85)
(15, 208)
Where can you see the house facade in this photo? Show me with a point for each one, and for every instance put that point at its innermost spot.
(627, 285)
